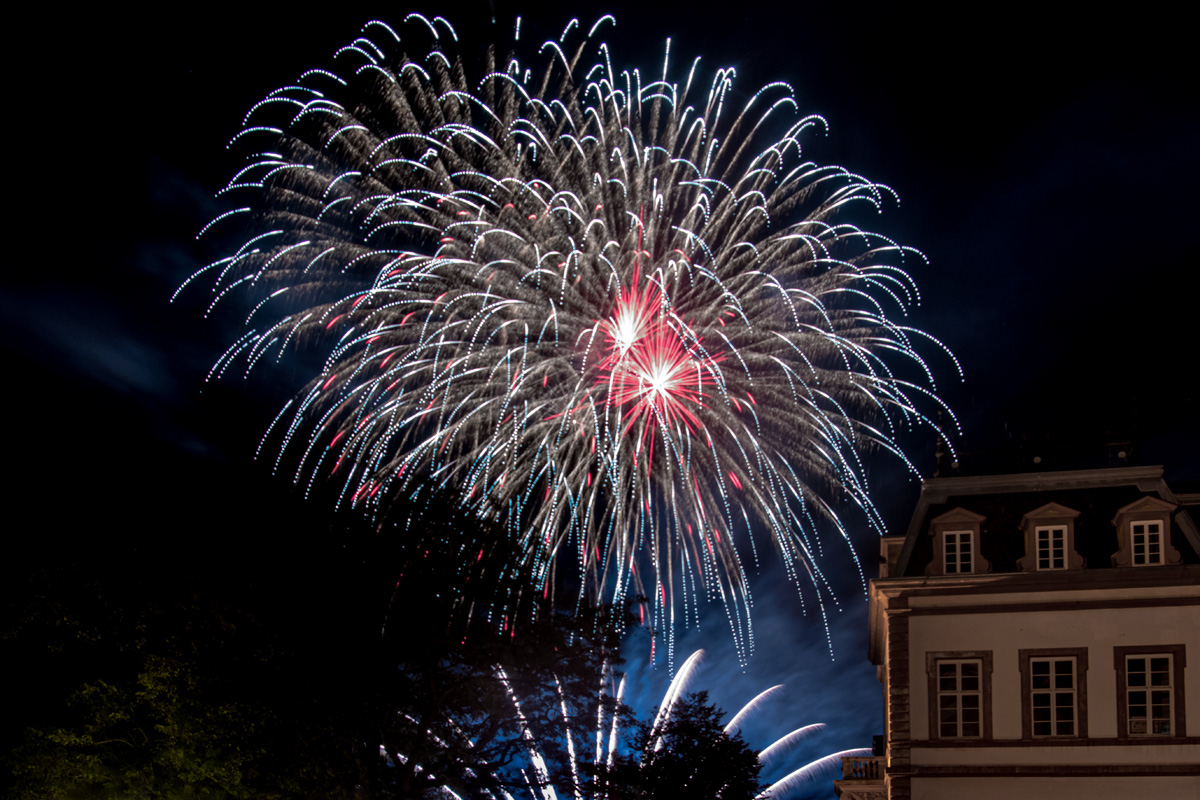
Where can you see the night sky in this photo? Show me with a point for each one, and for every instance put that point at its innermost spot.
(1046, 160)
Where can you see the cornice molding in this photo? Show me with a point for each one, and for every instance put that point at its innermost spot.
(1146, 479)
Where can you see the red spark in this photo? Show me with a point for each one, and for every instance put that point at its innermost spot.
(651, 367)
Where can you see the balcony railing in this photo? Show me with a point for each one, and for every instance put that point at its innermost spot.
(862, 768)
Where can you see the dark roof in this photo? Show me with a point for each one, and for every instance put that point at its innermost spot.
(1005, 499)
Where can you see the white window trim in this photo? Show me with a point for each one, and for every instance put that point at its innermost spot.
(958, 538)
(1153, 533)
(958, 693)
(1053, 692)
(1148, 691)
(1077, 657)
(1062, 546)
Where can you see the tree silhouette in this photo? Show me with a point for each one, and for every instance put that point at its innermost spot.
(393, 667)
(687, 755)
(464, 642)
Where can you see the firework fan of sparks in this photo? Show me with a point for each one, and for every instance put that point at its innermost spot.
(595, 742)
(605, 306)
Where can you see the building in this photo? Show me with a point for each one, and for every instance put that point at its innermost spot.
(1033, 634)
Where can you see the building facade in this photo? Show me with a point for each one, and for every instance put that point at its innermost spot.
(1032, 634)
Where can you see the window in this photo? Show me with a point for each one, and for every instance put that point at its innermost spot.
(960, 695)
(1054, 693)
(1144, 534)
(1148, 694)
(1052, 547)
(1050, 539)
(959, 700)
(1146, 541)
(958, 552)
(1150, 691)
(956, 544)
(1053, 696)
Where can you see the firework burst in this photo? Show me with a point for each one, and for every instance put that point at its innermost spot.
(609, 309)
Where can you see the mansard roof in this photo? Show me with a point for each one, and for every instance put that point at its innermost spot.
(1008, 502)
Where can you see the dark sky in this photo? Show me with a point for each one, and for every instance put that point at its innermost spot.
(1047, 162)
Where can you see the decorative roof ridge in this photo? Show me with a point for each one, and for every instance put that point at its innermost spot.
(1146, 479)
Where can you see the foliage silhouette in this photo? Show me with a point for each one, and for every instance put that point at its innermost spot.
(687, 755)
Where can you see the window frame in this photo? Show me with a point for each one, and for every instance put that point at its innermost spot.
(1155, 537)
(957, 537)
(1049, 518)
(956, 522)
(1141, 512)
(1050, 557)
(1079, 657)
(1177, 653)
(984, 659)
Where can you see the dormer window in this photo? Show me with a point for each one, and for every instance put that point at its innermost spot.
(956, 544)
(1051, 546)
(1146, 542)
(1050, 539)
(1143, 534)
(958, 552)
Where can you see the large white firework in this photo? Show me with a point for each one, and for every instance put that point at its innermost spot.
(621, 313)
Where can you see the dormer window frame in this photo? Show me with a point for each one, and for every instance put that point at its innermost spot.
(950, 531)
(1146, 542)
(958, 552)
(1051, 544)
(1039, 527)
(1144, 534)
